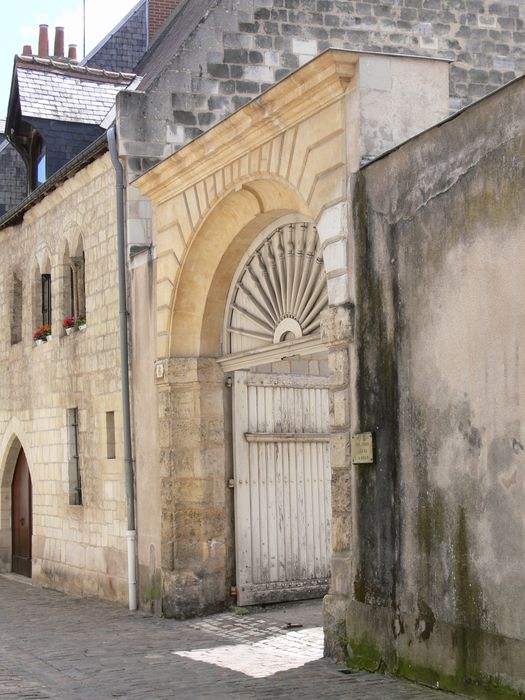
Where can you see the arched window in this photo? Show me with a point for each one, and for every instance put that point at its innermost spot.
(42, 298)
(75, 282)
(46, 298)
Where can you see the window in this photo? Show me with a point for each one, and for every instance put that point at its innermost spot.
(42, 298)
(75, 485)
(46, 299)
(16, 310)
(110, 434)
(41, 168)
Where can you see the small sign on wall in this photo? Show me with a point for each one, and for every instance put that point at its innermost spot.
(362, 448)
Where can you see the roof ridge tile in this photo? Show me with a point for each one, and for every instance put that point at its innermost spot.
(75, 68)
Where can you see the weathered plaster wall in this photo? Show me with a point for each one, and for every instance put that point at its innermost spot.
(80, 549)
(242, 47)
(440, 531)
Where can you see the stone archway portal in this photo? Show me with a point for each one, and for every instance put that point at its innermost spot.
(280, 419)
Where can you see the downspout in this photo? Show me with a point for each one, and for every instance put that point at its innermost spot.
(124, 369)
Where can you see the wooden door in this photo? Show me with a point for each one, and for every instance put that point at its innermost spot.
(282, 486)
(21, 500)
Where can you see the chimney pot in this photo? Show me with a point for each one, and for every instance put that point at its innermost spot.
(27, 50)
(43, 41)
(59, 42)
(72, 52)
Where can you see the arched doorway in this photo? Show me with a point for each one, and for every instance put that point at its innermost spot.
(281, 428)
(21, 517)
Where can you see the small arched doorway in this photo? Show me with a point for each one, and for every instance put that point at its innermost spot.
(281, 432)
(21, 517)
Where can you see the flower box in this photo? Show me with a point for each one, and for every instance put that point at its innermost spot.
(42, 334)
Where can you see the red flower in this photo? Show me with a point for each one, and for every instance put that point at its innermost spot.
(42, 332)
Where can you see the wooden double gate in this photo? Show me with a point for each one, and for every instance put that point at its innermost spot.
(282, 486)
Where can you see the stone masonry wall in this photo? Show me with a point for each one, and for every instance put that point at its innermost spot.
(80, 549)
(241, 47)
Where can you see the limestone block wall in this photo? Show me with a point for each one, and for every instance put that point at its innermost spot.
(242, 47)
(439, 524)
(76, 548)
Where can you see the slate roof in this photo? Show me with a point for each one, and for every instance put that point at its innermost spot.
(123, 47)
(51, 89)
(3, 141)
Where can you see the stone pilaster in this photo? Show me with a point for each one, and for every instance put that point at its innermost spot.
(195, 500)
(337, 333)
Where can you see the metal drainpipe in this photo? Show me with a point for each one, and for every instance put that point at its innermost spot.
(124, 369)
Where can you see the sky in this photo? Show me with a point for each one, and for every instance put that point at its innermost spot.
(19, 26)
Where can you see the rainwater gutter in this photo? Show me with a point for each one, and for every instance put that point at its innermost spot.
(124, 369)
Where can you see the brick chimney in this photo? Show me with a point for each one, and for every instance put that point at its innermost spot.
(59, 42)
(43, 41)
(72, 52)
(27, 50)
(158, 13)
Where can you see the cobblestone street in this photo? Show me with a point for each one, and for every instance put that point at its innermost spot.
(69, 648)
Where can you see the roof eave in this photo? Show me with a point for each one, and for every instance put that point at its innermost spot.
(88, 155)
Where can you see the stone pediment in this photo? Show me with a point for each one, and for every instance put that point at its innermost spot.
(314, 86)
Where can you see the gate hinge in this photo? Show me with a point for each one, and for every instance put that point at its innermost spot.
(231, 483)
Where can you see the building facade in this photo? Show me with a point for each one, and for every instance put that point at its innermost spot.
(61, 399)
(315, 250)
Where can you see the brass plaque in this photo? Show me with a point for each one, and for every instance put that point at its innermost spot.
(362, 448)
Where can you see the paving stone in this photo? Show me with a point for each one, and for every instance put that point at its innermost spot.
(70, 648)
